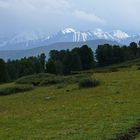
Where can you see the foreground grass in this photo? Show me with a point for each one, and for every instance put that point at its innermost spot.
(69, 113)
(138, 138)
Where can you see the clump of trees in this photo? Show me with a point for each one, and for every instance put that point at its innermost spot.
(66, 61)
(13, 69)
(111, 54)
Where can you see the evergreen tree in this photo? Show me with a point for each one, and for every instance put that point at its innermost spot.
(133, 48)
(59, 67)
(3, 72)
(51, 67)
(87, 57)
(76, 64)
(67, 63)
(42, 59)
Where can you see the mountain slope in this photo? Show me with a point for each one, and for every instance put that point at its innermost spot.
(17, 54)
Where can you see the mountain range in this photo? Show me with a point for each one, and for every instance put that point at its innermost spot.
(32, 44)
(29, 40)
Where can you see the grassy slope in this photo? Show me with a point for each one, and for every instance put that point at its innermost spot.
(138, 138)
(87, 114)
(129, 63)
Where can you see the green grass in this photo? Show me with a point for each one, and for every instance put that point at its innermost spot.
(130, 63)
(124, 66)
(70, 113)
(138, 138)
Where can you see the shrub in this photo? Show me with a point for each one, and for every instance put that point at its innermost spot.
(51, 81)
(113, 70)
(15, 89)
(87, 83)
(45, 79)
(35, 79)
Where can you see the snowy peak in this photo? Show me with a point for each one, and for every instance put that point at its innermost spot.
(99, 33)
(120, 34)
(68, 30)
(116, 35)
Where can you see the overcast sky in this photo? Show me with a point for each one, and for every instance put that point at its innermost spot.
(49, 16)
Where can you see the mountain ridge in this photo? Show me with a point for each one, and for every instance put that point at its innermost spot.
(18, 54)
(30, 40)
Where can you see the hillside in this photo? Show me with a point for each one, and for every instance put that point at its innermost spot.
(65, 112)
(17, 54)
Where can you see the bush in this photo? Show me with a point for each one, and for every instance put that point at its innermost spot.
(113, 70)
(87, 83)
(51, 81)
(45, 79)
(15, 89)
(35, 79)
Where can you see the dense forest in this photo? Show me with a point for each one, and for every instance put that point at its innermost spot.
(108, 54)
(64, 62)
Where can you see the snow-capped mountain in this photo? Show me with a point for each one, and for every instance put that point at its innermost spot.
(28, 40)
(119, 35)
(73, 35)
(26, 36)
(22, 41)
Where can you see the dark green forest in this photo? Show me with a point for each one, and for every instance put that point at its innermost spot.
(64, 62)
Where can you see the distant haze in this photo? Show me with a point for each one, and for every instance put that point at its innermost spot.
(49, 16)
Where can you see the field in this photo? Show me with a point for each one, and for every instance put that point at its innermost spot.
(66, 112)
(138, 138)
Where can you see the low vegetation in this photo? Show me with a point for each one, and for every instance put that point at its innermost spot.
(67, 112)
(86, 83)
(15, 89)
(34, 79)
(45, 79)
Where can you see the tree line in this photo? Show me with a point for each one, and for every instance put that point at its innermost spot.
(13, 69)
(111, 54)
(64, 62)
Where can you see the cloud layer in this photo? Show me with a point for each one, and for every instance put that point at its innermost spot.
(51, 15)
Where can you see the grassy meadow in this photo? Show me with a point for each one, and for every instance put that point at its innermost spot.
(138, 138)
(66, 112)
